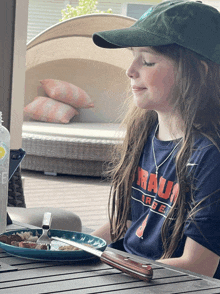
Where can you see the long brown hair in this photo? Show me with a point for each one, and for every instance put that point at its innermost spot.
(197, 99)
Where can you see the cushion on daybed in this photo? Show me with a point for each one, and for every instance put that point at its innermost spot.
(49, 110)
(66, 93)
(85, 131)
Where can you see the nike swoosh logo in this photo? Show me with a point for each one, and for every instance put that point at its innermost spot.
(191, 164)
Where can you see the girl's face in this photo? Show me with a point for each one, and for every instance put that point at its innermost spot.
(152, 79)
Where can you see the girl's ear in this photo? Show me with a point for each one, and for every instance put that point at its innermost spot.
(205, 65)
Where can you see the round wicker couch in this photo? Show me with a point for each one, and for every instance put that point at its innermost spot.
(66, 52)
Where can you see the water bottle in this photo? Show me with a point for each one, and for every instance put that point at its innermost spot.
(4, 174)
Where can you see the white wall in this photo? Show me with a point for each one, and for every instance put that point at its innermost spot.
(214, 3)
(44, 13)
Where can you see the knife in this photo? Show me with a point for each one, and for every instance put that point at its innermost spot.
(125, 264)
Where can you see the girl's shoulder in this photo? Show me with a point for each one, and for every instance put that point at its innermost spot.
(204, 171)
(203, 144)
(205, 153)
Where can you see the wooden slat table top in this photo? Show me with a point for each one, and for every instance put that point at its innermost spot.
(31, 276)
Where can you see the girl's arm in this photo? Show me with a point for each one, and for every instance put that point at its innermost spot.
(195, 258)
(104, 232)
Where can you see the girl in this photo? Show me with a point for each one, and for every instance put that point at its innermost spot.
(165, 196)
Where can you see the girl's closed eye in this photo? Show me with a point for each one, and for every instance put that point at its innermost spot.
(148, 63)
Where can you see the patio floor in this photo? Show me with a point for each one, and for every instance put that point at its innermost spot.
(85, 196)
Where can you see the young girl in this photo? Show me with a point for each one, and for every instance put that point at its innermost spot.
(165, 196)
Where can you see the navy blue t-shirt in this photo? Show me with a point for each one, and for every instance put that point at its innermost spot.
(152, 197)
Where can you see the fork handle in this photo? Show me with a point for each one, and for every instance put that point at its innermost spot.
(46, 221)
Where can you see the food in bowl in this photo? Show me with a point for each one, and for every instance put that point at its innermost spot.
(24, 240)
(72, 248)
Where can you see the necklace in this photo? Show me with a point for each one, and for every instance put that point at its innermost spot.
(174, 148)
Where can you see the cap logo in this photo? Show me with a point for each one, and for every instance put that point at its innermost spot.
(148, 12)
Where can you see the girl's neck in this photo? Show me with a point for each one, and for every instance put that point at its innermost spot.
(170, 127)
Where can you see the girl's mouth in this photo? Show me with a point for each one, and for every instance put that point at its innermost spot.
(136, 89)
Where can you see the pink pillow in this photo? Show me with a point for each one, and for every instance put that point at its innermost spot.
(66, 93)
(49, 110)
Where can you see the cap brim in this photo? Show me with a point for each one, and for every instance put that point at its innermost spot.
(128, 37)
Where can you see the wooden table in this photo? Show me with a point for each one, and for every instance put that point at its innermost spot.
(18, 275)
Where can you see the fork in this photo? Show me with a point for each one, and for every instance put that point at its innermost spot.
(44, 239)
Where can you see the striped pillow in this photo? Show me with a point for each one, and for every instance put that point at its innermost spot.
(49, 110)
(66, 93)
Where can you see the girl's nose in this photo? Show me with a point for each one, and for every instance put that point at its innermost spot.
(132, 72)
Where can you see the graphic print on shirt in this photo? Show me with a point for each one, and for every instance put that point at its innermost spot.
(140, 230)
(166, 191)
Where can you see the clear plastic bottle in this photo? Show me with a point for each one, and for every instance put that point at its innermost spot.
(4, 174)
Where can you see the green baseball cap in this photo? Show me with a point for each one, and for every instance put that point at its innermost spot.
(190, 24)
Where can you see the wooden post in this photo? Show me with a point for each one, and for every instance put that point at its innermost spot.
(7, 20)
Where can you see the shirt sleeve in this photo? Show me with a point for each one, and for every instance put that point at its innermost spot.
(203, 225)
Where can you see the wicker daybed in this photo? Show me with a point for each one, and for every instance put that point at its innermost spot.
(66, 52)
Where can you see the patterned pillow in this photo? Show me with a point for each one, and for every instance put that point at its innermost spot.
(49, 110)
(66, 93)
